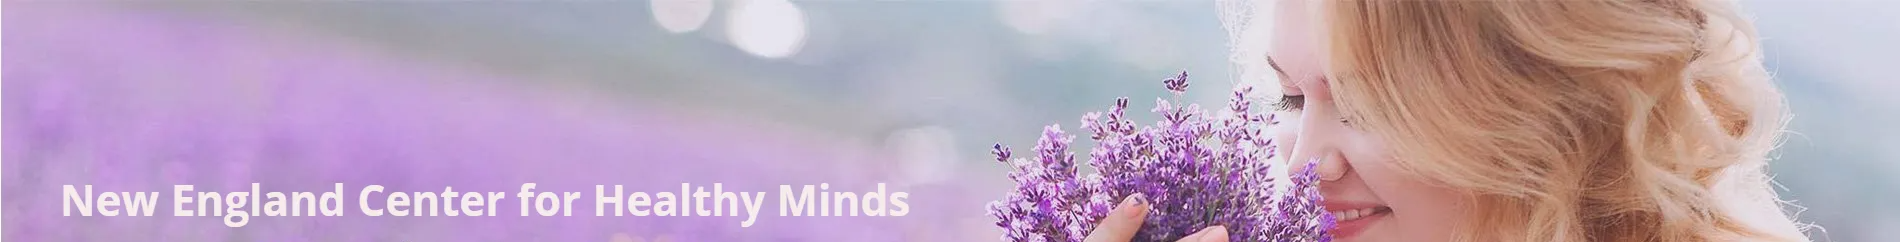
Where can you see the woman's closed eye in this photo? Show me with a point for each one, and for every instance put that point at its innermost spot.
(1290, 103)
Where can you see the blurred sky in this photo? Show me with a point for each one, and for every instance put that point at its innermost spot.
(933, 83)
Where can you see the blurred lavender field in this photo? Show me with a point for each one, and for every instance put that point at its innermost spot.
(133, 100)
(485, 95)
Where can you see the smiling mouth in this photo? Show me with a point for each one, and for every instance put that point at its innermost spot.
(1356, 214)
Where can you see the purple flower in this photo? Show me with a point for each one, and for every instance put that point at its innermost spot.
(1197, 170)
(1178, 84)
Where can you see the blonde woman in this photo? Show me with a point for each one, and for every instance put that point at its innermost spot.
(1526, 121)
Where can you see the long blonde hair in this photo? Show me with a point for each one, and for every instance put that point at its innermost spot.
(1571, 120)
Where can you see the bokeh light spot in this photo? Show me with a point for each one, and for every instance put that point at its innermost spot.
(767, 28)
(681, 16)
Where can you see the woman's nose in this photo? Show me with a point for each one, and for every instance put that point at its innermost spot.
(1315, 143)
(1331, 167)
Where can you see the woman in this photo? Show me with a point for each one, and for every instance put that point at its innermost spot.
(1526, 121)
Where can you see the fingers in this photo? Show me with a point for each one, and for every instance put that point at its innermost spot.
(1121, 223)
(1209, 234)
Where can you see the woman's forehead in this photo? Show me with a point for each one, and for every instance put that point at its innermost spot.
(1295, 49)
(1301, 67)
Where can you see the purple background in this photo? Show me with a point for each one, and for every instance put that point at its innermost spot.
(131, 100)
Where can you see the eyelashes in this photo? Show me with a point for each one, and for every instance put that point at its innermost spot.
(1298, 103)
(1290, 103)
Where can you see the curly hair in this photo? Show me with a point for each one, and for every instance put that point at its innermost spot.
(1571, 120)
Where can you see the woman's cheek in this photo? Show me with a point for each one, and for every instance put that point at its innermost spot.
(1286, 134)
(1420, 210)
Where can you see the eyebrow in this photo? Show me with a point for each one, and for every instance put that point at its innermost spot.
(1282, 72)
(1276, 66)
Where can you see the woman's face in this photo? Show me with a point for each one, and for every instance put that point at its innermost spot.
(1372, 200)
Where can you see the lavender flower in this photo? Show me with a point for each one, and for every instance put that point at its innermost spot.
(1178, 84)
(1197, 170)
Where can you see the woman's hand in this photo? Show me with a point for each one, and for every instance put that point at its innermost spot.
(1121, 224)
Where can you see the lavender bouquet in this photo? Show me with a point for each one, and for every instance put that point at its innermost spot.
(1198, 171)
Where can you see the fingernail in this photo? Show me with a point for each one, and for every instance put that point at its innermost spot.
(1133, 206)
(1134, 200)
(1214, 234)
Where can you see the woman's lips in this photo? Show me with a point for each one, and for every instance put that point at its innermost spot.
(1351, 218)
